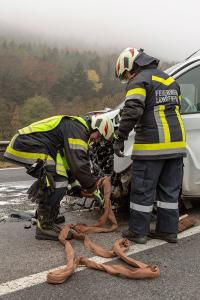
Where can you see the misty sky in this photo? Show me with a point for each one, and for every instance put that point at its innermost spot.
(169, 32)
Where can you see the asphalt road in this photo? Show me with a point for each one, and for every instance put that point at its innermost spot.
(21, 256)
(13, 175)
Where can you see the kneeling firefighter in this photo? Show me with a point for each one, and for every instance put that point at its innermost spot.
(55, 151)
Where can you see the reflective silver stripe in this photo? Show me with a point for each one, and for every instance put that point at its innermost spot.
(142, 208)
(136, 96)
(59, 164)
(167, 205)
(77, 147)
(157, 152)
(13, 140)
(27, 160)
(30, 128)
(50, 162)
(159, 124)
(61, 184)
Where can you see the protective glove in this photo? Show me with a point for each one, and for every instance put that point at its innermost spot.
(98, 198)
(36, 169)
(35, 192)
(118, 147)
(75, 189)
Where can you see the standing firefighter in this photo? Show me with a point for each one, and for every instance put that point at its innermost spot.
(55, 150)
(151, 107)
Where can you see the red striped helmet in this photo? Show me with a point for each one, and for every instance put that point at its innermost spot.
(104, 125)
(125, 62)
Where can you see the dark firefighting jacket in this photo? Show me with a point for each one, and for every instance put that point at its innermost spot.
(152, 107)
(61, 141)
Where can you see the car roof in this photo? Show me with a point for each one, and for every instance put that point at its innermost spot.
(177, 67)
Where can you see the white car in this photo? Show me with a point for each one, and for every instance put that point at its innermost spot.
(187, 73)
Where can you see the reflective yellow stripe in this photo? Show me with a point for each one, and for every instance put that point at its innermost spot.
(180, 122)
(78, 142)
(24, 130)
(81, 120)
(61, 165)
(43, 125)
(47, 181)
(160, 146)
(179, 97)
(165, 125)
(139, 91)
(49, 124)
(29, 155)
(47, 120)
(167, 81)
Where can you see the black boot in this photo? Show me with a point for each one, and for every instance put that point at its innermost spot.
(168, 237)
(46, 229)
(58, 218)
(134, 237)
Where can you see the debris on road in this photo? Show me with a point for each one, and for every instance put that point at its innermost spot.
(185, 222)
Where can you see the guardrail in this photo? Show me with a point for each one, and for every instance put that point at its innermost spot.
(3, 145)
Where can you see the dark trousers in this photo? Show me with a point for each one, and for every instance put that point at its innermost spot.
(59, 192)
(155, 179)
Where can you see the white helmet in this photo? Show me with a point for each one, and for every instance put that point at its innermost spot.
(125, 62)
(104, 125)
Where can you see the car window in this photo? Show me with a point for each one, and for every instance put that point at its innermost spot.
(190, 90)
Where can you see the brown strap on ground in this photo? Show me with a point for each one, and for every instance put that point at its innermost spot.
(139, 270)
(108, 214)
(185, 222)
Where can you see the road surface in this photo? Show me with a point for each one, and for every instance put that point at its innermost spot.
(26, 261)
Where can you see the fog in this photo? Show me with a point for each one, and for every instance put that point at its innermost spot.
(166, 29)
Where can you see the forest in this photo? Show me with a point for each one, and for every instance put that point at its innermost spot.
(38, 81)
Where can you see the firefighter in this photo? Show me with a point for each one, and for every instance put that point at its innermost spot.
(55, 151)
(152, 105)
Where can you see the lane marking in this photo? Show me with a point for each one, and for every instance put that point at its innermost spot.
(7, 169)
(38, 278)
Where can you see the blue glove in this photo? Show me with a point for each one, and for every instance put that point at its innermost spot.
(98, 198)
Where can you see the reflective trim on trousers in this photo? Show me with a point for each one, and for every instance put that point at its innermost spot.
(142, 208)
(167, 205)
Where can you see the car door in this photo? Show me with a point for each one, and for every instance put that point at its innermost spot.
(189, 80)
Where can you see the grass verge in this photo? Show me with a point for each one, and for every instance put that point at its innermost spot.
(4, 164)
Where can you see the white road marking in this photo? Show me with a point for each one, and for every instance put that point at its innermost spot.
(38, 278)
(7, 169)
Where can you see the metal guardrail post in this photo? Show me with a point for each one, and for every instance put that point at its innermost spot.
(3, 145)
